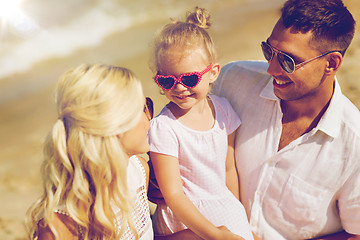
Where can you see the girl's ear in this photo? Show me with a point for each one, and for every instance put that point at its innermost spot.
(334, 61)
(214, 72)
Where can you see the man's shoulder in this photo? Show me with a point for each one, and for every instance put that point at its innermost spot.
(247, 66)
(241, 76)
(351, 116)
(243, 72)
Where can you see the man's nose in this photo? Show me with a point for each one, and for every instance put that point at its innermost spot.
(274, 66)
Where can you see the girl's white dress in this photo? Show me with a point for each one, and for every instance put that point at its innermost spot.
(201, 156)
(136, 180)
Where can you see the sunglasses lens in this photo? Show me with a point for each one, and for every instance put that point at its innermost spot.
(286, 63)
(267, 51)
(166, 82)
(149, 108)
(190, 81)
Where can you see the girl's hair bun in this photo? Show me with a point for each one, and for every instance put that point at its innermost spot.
(200, 17)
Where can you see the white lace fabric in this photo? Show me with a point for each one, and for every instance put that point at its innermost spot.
(136, 179)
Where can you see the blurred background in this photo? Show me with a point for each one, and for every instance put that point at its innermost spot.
(41, 39)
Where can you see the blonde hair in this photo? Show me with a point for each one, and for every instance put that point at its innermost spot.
(85, 164)
(187, 36)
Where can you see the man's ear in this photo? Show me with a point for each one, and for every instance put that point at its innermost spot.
(334, 61)
(214, 72)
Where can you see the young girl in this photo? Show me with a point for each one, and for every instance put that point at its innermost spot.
(192, 139)
(94, 185)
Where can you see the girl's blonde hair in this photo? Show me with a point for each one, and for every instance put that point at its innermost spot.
(85, 165)
(186, 36)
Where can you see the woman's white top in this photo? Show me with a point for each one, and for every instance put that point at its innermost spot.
(136, 181)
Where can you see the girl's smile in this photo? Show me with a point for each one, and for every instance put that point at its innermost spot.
(177, 65)
(184, 96)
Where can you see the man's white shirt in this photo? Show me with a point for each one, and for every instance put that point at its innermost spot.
(309, 188)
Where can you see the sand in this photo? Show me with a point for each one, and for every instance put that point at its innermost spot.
(25, 120)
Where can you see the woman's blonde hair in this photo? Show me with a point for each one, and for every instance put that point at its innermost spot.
(186, 36)
(85, 165)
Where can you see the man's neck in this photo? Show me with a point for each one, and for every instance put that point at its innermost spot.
(301, 116)
(311, 107)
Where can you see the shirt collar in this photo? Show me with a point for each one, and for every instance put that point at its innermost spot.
(268, 91)
(330, 122)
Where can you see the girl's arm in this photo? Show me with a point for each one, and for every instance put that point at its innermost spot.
(232, 179)
(167, 172)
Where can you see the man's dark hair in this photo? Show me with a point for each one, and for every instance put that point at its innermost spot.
(330, 22)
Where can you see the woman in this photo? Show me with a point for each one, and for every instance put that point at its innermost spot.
(94, 185)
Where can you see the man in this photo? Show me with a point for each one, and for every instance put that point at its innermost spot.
(298, 147)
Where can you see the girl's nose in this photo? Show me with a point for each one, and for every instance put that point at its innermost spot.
(179, 87)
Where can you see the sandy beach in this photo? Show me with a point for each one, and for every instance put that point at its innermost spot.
(238, 29)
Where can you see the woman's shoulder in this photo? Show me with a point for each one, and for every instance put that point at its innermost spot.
(138, 173)
(64, 225)
(142, 163)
